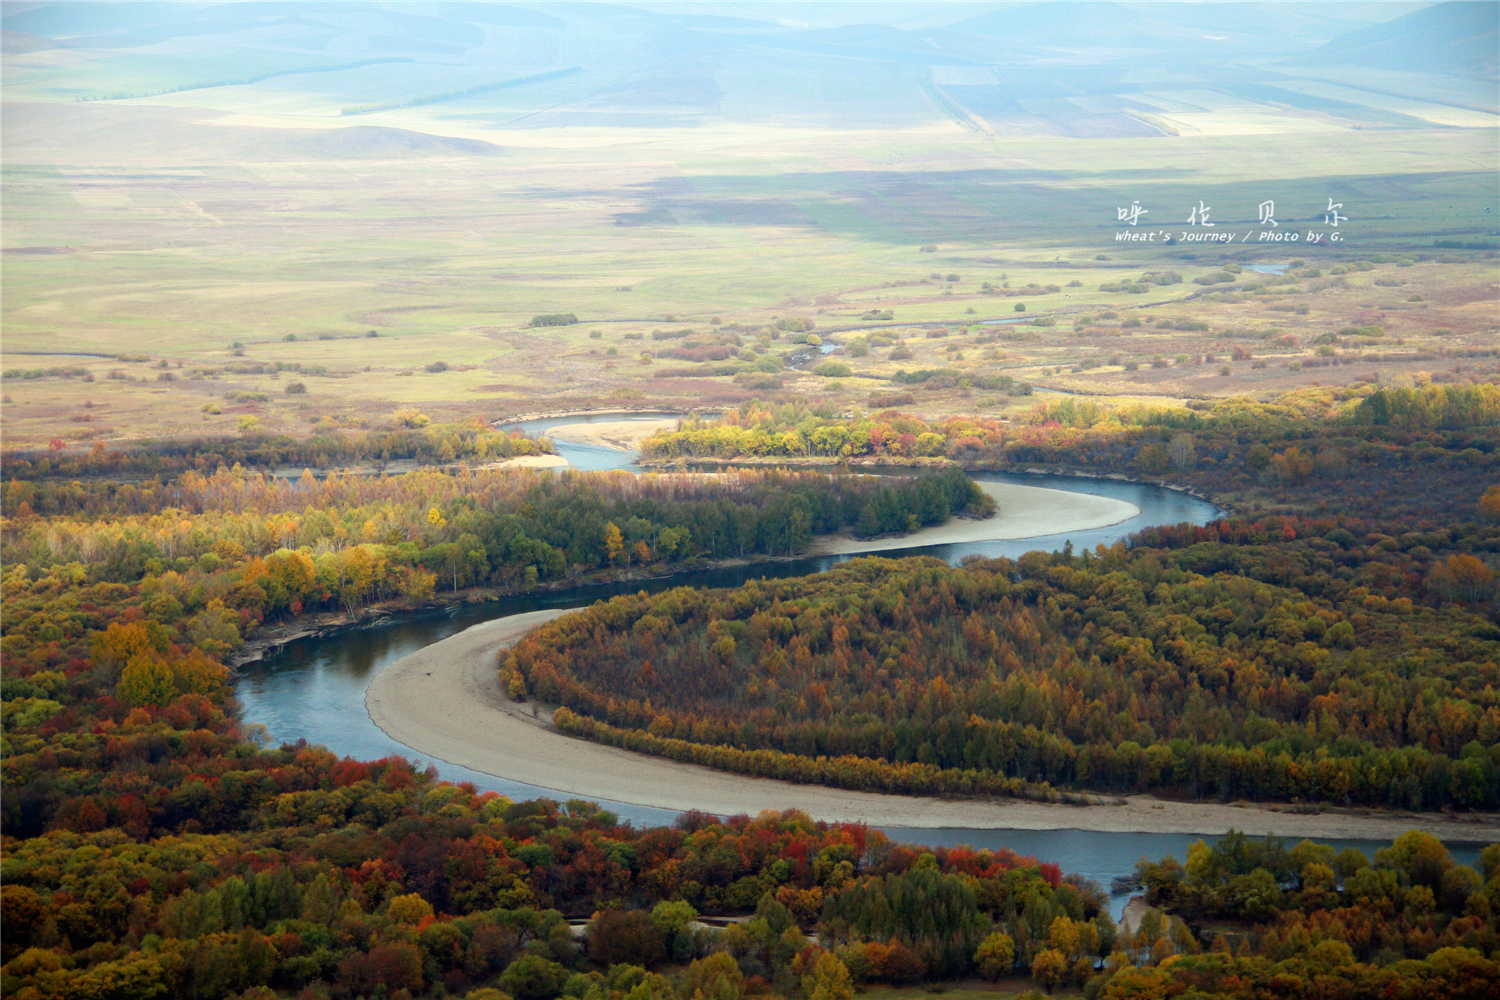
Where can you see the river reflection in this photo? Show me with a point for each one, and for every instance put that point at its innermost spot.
(313, 689)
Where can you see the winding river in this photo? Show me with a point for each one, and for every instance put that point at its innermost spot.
(314, 688)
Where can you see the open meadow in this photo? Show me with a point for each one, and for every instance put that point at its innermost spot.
(278, 250)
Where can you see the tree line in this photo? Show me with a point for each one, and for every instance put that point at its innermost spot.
(1380, 451)
(408, 436)
(252, 547)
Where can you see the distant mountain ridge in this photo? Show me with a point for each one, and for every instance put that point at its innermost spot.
(459, 27)
(1460, 37)
(1033, 69)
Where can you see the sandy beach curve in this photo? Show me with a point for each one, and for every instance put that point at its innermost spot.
(445, 701)
(1025, 512)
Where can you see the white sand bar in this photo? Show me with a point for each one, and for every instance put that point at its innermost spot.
(531, 462)
(621, 435)
(1025, 512)
(445, 701)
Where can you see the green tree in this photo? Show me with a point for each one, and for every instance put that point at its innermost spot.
(532, 977)
(674, 918)
(625, 936)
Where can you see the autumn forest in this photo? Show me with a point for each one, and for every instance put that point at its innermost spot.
(758, 501)
(1319, 655)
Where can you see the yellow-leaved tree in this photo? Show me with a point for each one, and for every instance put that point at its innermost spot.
(1489, 504)
(995, 955)
(1050, 967)
(829, 980)
(614, 542)
(146, 680)
(409, 909)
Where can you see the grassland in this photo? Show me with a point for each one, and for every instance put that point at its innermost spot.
(243, 238)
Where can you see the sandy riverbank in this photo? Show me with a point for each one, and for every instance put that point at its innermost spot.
(621, 435)
(1025, 512)
(445, 701)
(531, 462)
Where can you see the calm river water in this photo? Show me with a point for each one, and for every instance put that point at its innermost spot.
(314, 689)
